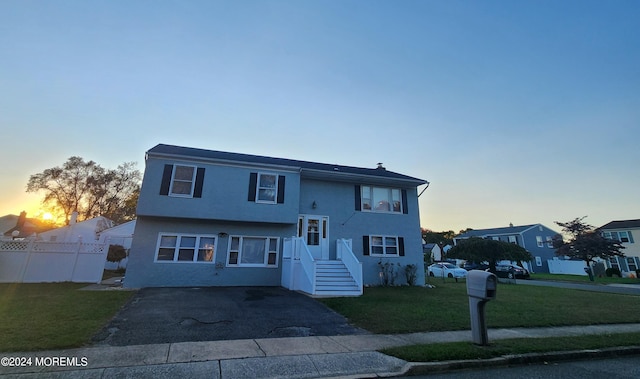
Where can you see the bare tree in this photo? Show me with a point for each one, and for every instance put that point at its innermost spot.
(89, 189)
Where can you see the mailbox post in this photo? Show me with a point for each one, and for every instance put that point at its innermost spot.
(481, 287)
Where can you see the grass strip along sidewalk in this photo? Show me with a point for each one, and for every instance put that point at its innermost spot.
(465, 350)
(391, 310)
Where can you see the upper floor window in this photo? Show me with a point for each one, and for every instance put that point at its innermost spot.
(266, 188)
(539, 241)
(185, 248)
(182, 181)
(512, 239)
(624, 236)
(549, 242)
(380, 199)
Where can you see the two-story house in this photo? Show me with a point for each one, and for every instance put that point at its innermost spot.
(211, 218)
(537, 239)
(624, 231)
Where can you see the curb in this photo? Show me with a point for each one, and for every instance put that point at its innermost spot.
(424, 368)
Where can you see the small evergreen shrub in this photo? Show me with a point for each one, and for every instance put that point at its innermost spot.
(610, 272)
(116, 253)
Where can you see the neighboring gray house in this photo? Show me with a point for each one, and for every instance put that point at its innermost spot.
(211, 218)
(535, 238)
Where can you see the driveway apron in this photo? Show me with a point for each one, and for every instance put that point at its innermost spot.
(169, 315)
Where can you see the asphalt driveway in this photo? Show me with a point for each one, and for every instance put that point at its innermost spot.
(168, 315)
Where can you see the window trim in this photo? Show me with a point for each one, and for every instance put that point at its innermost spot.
(632, 261)
(274, 189)
(617, 236)
(173, 180)
(265, 263)
(626, 236)
(390, 200)
(538, 261)
(176, 251)
(384, 246)
(550, 242)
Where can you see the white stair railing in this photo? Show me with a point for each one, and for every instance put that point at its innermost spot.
(299, 267)
(345, 254)
(308, 266)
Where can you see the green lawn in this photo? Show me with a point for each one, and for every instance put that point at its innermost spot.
(446, 307)
(53, 316)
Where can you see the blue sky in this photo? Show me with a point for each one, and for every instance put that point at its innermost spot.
(515, 111)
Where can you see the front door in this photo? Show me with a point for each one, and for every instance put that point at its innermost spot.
(315, 231)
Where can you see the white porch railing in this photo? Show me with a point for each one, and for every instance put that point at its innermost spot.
(345, 254)
(296, 255)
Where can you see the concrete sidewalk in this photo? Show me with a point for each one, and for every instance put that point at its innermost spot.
(353, 356)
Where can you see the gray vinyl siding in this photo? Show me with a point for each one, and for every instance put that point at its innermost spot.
(223, 210)
(337, 200)
(144, 271)
(224, 195)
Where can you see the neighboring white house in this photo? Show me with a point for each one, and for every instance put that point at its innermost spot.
(118, 235)
(624, 232)
(434, 251)
(87, 231)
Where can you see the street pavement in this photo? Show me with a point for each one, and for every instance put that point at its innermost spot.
(314, 356)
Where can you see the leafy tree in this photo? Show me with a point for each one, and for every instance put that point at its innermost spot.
(477, 249)
(444, 238)
(116, 253)
(89, 189)
(585, 243)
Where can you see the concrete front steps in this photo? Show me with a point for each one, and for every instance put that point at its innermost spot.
(333, 279)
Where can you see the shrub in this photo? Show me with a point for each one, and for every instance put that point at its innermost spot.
(388, 273)
(610, 272)
(116, 253)
(410, 272)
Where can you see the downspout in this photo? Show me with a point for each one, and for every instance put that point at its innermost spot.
(424, 189)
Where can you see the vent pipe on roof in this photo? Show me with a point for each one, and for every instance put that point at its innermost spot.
(380, 166)
(21, 219)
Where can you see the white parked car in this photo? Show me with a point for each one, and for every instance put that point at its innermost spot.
(446, 269)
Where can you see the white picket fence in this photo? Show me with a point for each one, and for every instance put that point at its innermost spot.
(38, 261)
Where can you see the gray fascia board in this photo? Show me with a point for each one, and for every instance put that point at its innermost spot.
(224, 162)
(305, 172)
(357, 178)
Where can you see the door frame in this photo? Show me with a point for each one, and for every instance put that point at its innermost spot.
(321, 250)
